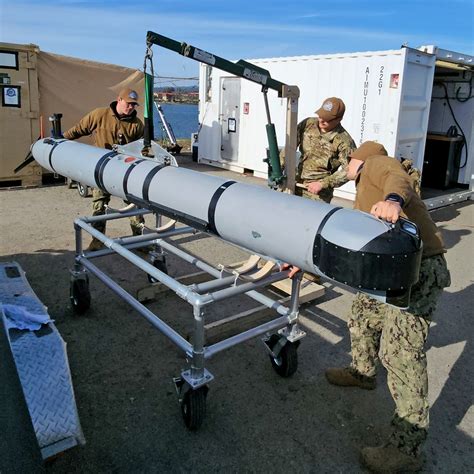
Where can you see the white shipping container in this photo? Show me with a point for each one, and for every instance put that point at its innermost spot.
(392, 97)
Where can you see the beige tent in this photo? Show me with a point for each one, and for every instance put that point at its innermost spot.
(74, 86)
(36, 84)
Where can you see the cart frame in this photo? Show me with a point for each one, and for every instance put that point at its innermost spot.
(192, 384)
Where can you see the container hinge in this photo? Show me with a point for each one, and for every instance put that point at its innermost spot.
(27, 65)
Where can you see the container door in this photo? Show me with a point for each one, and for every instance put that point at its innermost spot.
(18, 114)
(417, 87)
(230, 118)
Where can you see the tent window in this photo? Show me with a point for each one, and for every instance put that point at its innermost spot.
(8, 60)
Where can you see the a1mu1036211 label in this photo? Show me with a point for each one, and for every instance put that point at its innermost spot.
(364, 104)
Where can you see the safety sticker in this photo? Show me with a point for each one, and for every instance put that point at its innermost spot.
(204, 56)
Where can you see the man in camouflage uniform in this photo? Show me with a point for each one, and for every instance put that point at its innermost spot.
(324, 145)
(116, 124)
(396, 336)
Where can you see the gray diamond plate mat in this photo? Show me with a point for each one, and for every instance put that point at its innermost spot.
(42, 364)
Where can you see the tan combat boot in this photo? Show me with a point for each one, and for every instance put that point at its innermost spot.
(346, 377)
(95, 245)
(389, 458)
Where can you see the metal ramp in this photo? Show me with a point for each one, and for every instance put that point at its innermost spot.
(41, 362)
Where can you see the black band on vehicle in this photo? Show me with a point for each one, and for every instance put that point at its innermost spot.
(127, 174)
(99, 169)
(213, 204)
(325, 219)
(55, 144)
(317, 237)
(198, 224)
(147, 181)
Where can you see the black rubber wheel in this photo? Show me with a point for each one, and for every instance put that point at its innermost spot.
(286, 364)
(193, 407)
(80, 296)
(160, 265)
(83, 190)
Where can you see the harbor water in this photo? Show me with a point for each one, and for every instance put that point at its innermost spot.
(183, 119)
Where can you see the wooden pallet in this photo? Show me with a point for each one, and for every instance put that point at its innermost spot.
(24, 180)
(227, 327)
(152, 291)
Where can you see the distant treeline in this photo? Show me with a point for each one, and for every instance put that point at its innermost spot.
(185, 94)
(178, 89)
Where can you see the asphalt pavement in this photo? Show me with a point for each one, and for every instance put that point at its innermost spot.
(256, 421)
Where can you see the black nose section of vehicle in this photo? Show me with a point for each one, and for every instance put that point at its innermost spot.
(389, 263)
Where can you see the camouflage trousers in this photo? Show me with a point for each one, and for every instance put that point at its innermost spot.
(324, 195)
(398, 337)
(99, 203)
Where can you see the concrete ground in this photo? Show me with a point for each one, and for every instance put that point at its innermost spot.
(122, 368)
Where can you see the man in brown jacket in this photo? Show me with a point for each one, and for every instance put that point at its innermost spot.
(116, 124)
(395, 336)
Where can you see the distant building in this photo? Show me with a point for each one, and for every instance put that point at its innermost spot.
(177, 96)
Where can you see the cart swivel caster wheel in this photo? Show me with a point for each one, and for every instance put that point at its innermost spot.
(80, 296)
(193, 407)
(160, 265)
(83, 190)
(286, 363)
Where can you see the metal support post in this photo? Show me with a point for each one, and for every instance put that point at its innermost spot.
(292, 332)
(295, 296)
(291, 93)
(197, 363)
(78, 268)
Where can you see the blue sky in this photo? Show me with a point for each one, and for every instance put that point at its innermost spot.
(115, 31)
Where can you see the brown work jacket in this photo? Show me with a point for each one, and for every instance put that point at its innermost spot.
(107, 127)
(383, 175)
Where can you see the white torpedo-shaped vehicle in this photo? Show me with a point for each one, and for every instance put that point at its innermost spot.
(350, 247)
